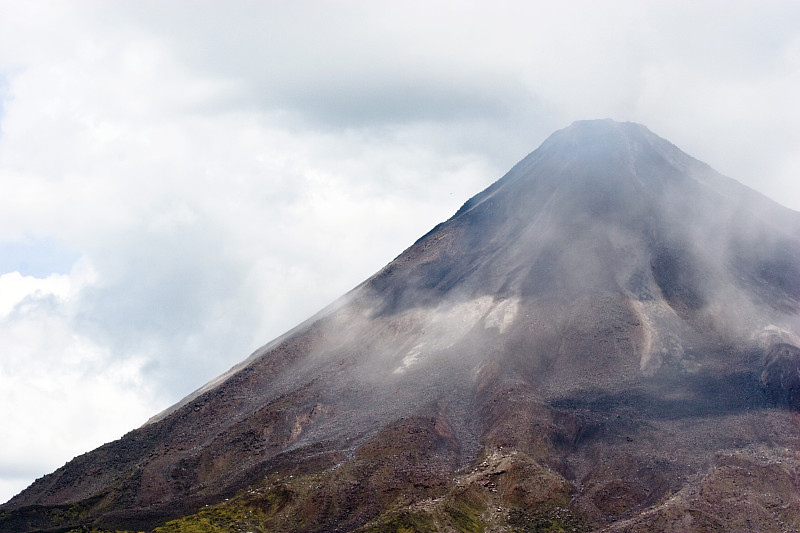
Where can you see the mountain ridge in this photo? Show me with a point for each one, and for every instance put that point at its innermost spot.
(603, 338)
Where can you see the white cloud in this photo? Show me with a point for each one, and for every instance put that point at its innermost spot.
(225, 170)
(62, 394)
(14, 287)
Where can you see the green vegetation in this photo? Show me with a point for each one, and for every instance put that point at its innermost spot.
(248, 511)
(60, 517)
(557, 520)
(524, 496)
(404, 522)
(257, 510)
(310, 502)
(465, 514)
(87, 529)
(223, 518)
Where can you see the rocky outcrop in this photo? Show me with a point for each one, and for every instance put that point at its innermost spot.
(781, 375)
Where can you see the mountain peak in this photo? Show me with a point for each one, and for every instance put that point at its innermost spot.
(607, 138)
(605, 338)
(605, 126)
(599, 131)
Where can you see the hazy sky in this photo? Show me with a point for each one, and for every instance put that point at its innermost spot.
(180, 182)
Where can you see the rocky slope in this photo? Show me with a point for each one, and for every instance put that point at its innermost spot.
(605, 339)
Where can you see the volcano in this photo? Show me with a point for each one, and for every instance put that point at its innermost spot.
(605, 339)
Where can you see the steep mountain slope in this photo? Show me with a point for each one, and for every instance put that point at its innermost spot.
(607, 337)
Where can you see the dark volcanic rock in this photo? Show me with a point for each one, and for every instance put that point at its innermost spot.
(605, 338)
(781, 375)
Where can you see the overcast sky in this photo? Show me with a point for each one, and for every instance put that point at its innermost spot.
(180, 182)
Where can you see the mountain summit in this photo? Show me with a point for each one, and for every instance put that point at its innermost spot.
(604, 339)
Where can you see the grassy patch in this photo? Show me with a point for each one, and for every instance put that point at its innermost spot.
(404, 522)
(222, 518)
(555, 520)
(464, 514)
(86, 529)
